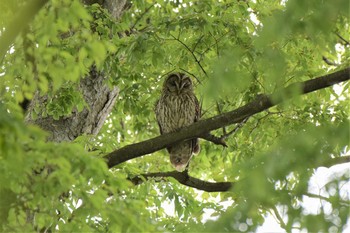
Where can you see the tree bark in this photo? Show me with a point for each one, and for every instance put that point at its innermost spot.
(99, 97)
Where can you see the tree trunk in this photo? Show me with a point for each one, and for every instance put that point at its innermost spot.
(99, 97)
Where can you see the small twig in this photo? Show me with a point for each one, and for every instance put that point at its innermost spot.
(221, 140)
(346, 42)
(325, 198)
(195, 46)
(329, 62)
(225, 136)
(216, 41)
(199, 81)
(258, 122)
(216, 45)
(207, 110)
(141, 16)
(219, 110)
(289, 80)
(279, 217)
(167, 73)
(194, 56)
(214, 139)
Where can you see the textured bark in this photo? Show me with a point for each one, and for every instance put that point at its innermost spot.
(99, 99)
(114, 7)
(98, 96)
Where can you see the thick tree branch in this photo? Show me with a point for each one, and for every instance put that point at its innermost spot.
(203, 127)
(20, 21)
(185, 179)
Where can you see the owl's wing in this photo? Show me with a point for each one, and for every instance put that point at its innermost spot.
(156, 111)
(156, 107)
(197, 116)
(160, 128)
(198, 109)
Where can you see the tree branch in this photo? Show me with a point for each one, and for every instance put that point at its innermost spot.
(279, 217)
(328, 199)
(346, 42)
(202, 127)
(185, 179)
(192, 52)
(335, 161)
(140, 17)
(222, 140)
(214, 139)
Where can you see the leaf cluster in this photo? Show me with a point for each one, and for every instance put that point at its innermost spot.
(233, 50)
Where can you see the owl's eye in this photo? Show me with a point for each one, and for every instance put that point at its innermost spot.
(173, 83)
(187, 84)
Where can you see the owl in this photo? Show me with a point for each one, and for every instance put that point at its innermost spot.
(178, 107)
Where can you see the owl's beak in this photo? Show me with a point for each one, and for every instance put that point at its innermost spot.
(178, 88)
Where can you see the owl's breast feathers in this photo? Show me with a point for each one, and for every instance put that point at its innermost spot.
(176, 111)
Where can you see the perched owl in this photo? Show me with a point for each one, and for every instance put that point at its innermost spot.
(178, 107)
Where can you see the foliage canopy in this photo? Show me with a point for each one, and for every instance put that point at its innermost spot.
(234, 50)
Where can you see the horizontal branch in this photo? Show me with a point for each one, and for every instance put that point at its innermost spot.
(185, 179)
(203, 127)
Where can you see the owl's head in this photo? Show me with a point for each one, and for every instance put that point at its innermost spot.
(178, 83)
